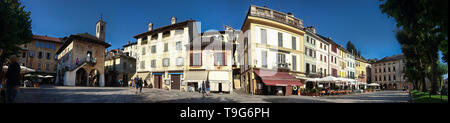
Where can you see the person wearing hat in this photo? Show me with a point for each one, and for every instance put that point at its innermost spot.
(12, 80)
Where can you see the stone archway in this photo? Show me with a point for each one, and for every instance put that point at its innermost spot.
(94, 78)
(81, 78)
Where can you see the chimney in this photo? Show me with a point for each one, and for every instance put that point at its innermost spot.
(173, 20)
(290, 14)
(150, 26)
(329, 38)
(313, 30)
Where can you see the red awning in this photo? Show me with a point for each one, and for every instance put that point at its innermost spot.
(274, 78)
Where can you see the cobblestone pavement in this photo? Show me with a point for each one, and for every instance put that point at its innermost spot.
(59, 94)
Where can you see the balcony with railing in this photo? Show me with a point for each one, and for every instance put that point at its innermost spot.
(82, 62)
(270, 14)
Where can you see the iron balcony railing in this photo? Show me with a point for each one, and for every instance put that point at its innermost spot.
(266, 13)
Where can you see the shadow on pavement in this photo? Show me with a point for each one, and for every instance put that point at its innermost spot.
(293, 100)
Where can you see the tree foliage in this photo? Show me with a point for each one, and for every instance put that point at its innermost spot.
(427, 22)
(15, 27)
(351, 48)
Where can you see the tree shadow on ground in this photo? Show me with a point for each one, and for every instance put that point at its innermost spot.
(293, 100)
(198, 100)
(50, 95)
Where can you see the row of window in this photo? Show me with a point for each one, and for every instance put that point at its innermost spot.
(384, 69)
(40, 55)
(281, 59)
(323, 58)
(45, 45)
(311, 40)
(47, 66)
(388, 78)
(280, 39)
(195, 60)
(310, 52)
(165, 34)
(178, 47)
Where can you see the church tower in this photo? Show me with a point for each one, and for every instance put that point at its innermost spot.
(100, 29)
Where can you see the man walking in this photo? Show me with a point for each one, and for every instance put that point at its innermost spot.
(12, 80)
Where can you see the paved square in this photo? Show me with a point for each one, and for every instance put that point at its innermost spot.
(64, 94)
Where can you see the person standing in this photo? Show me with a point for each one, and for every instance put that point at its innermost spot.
(12, 80)
(207, 87)
(203, 89)
(77, 61)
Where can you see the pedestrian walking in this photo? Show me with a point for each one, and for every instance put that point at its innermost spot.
(12, 80)
(145, 84)
(203, 89)
(140, 84)
(135, 83)
(118, 82)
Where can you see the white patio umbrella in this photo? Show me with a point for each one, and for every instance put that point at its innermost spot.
(28, 75)
(48, 76)
(40, 76)
(373, 84)
(23, 69)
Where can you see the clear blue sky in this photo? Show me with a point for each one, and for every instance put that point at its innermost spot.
(359, 21)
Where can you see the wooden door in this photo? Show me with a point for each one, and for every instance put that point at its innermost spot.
(157, 81)
(175, 84)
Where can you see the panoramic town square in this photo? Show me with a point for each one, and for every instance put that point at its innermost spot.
(233, 51)
(62, 94)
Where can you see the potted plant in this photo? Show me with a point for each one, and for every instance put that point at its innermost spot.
(315, 92)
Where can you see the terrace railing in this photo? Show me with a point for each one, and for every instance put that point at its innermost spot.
(267, 13)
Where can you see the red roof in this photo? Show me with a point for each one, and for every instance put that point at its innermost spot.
(274, 78)
(46, 38)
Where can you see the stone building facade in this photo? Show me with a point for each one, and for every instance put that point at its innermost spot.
(119, 66)
(81, 59)
(389, 72)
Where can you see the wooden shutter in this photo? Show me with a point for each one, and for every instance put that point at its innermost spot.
(191, 59)
(224, 58)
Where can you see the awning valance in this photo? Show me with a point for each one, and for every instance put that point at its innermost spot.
(144, 76)
(219, 76)
(195, 76)
(274, 78)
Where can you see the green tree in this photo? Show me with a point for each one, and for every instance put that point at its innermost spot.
(15, 28)
(351, 48)
(427, 20)
(415, 65)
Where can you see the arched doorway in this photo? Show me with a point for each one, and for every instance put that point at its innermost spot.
(395, 85)
(94, 78)
(81, 77)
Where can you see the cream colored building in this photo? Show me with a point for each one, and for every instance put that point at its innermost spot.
(119, 66)
(161, 59)
(272, 51)
(335, 59)
(310, 57)
(389, 72)
(211, 60)
(350, 65)
(361, 65)
(131, 49)
(323, 48)
(81, 59)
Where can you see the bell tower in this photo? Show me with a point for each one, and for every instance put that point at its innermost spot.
(100, 29)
